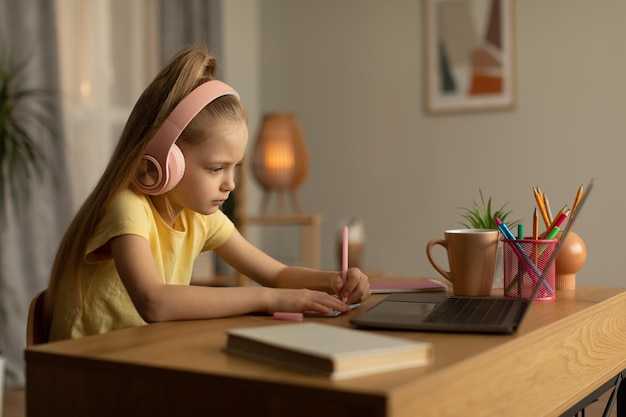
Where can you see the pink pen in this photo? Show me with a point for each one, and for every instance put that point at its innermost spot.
(344, 257)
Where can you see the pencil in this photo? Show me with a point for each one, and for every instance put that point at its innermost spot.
(555, 220)
(538, 195)
(547, 204)
(542, 207)
(579, 195)
(556, 224)
(535, 234)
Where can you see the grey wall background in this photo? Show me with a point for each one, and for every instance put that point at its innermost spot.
(353, 72)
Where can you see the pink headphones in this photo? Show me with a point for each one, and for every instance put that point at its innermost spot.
(165, 160)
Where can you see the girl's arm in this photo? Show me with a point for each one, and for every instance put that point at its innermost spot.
(262, 268)
(156, 301)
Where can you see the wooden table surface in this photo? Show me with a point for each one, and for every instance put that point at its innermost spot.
(563, 351)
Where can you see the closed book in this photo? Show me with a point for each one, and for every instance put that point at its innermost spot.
(412, 285)
(336, 352)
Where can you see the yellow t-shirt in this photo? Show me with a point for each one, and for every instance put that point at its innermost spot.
(105, 304)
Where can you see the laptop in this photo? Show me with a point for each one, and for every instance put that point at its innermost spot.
(449, 313)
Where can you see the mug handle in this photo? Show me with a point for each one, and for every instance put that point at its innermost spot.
(446, 274)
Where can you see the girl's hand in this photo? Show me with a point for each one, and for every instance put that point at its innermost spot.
(357, 286)
(301, 300)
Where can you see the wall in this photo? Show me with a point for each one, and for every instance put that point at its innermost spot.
(352, 71)
(240, 63)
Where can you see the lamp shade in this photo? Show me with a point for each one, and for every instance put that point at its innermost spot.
(280, 159)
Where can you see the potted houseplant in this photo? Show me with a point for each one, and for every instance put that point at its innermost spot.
(26, 125)
(23, 111)
(482, 216)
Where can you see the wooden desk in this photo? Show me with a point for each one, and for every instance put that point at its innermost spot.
(563, 351)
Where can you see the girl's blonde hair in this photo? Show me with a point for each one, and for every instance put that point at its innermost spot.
(189, 68)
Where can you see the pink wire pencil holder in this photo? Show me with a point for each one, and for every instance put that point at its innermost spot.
(524, 263)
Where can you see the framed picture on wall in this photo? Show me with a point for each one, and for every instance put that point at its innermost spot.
(469, 55)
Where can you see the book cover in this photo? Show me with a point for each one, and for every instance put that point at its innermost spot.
(413, 285)
(336, 352)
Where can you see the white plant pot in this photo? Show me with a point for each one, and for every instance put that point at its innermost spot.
(1, 384)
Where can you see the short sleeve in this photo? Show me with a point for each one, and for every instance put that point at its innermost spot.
(127, 213)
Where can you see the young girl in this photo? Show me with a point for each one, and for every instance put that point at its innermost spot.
(126, 258)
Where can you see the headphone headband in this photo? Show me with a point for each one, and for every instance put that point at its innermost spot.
(162, 150)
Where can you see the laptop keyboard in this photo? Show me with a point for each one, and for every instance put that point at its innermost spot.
(471, 310)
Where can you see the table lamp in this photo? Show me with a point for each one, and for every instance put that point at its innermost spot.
(280, 161)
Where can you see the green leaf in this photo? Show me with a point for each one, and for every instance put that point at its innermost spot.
(480, 216)
(26, 122)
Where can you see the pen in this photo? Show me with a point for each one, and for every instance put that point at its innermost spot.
(504, 229)
(526, 262)
(344, 257)
(555, 231)
(520, 270)
(517, 248)
(535, 235)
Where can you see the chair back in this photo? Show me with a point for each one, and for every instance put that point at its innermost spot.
(37, 328)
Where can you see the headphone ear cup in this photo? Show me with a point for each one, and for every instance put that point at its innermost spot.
(175, 168)
(148, 175)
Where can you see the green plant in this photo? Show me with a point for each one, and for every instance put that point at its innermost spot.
(480, 216)
(26, 122)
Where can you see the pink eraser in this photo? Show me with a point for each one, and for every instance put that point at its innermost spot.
(283, 315)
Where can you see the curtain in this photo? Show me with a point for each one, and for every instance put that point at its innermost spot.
(188, 21)
(195, 22)
(29, 239)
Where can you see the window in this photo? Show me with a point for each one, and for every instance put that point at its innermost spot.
(108, 55)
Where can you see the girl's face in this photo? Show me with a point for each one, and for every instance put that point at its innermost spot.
(210, 167)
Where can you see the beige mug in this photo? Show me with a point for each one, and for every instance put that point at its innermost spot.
(471, 258)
